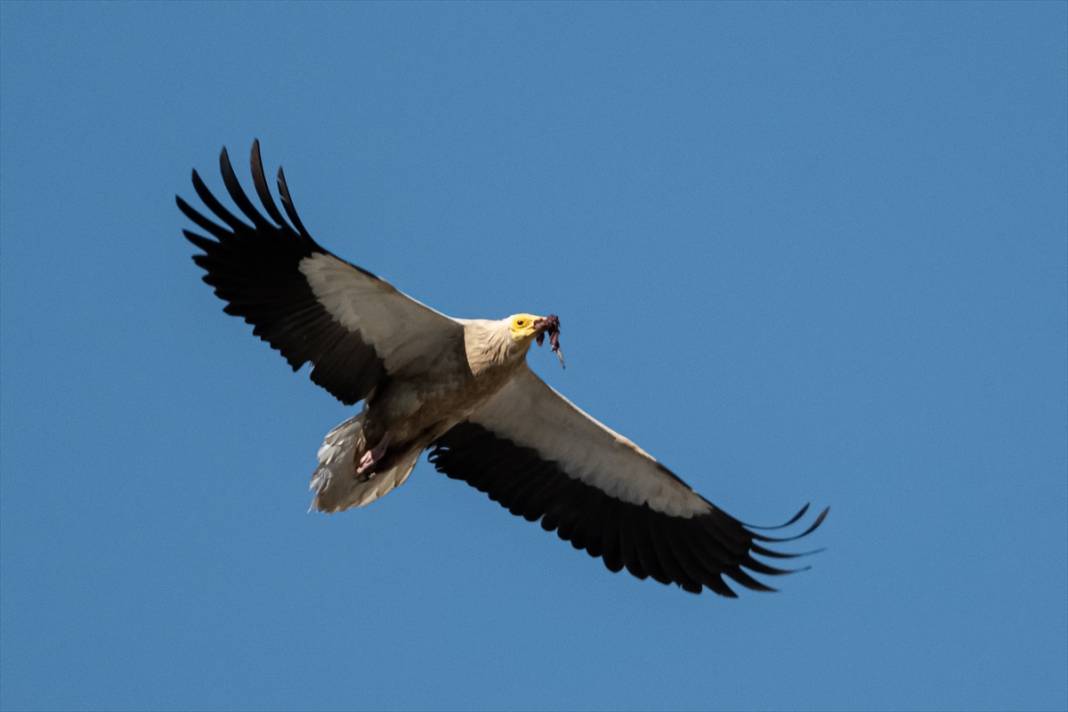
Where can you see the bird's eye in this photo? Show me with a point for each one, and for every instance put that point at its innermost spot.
(520, 323)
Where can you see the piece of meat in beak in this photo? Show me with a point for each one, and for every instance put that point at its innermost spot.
(550, 325)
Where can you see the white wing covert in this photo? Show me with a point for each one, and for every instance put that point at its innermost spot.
(543, 458)
(311, 306)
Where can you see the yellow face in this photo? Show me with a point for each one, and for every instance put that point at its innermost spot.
(522, 326)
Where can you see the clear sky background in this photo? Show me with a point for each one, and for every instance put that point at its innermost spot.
(800, 252)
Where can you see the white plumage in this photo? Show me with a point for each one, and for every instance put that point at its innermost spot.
(530, 413)
(461, 389)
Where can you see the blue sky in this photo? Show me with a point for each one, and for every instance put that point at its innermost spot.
(800, 252)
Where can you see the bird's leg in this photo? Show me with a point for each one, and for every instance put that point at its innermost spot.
(365, 467)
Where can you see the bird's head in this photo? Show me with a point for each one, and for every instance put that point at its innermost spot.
(521, 327)
(525, 328)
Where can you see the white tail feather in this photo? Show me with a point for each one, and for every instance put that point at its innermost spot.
(334, 480)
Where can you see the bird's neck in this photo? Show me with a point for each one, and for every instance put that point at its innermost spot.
(491, 349)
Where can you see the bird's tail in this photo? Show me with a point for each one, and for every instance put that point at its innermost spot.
(334, 480)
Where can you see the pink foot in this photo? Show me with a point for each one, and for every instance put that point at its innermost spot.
(366, 465)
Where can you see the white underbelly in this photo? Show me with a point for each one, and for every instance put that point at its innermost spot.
(412, 411)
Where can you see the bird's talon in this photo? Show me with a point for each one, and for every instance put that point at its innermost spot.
(365, 468)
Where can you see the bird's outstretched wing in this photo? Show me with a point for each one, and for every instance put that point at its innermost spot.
(541, 457)
(354, 327)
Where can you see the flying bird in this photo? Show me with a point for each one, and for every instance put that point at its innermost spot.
(462, 389)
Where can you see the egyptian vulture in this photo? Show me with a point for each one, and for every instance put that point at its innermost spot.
(460, 388)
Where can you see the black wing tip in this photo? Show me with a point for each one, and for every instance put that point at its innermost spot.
(288, 204)
(793, 520)
(759, 567)
(226, 221)
(753, 585)
(224, 151)
(226, 168)
(201, 242)
(259, 180)
(715, 552)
